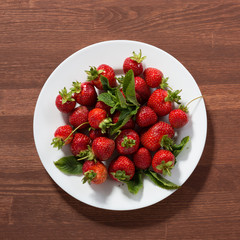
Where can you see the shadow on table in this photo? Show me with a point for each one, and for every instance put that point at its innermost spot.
(159, 212)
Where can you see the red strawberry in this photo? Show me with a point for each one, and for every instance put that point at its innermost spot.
(127, 142)
(84, 93)
(121, 169)
(97, 118)
(94, 172)
(151, 139)
(142, 90)
(163, 161)
(65, 102)
(95, 133)
(103, 148)
(135, 63)
(62, 136)
(161, 101)
(142, 158)
(79, 143)
(146, 117)
(153, 77)
(129, 124)
(178, 117)
(79, 116)
(106, 71)
(103, 106)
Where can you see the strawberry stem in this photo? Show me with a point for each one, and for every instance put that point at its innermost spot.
(193, 100)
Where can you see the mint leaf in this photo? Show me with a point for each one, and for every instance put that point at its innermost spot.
(121, 99)
(178, 148)
(106, 98)
(160, 181)
(136, 183)
(129, 88)
(69, 165)
(105, 83)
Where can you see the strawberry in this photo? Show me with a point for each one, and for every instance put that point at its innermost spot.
(153, 77)
(105, 70)
(142, 90)
(178, 117)
(142, 158)
(64, 101)
(135, 63)
(62, 136)
(161, 101)
(103, 106)
(97, 118)
(146, 117)
(94, 172)
(163, 161)
(151, 139)
(121, 169)
(79, 116)
(103, 148)
(129, 124)
(84, 93)
(79, 143)
(127, 142)
(95, 133)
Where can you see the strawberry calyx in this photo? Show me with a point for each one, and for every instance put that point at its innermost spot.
(93, 73)
(164, 83)
(121, 175)
(89, 176)
(66, 96)
(165, 167)
(57, 142)
(76, 87)
(183, 108)
(87, 155)
(173, 96)
(138, 57)
(167, 143)
(128, 142)
(105, 124)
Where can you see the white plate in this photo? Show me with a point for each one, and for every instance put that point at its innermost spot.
(112, 195)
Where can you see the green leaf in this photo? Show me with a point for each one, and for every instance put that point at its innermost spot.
(121, 99)
(129, 88)
(107, 99)
(160, 181)
(105, 83)
(136, 183)
(69, 165)
(178, 148)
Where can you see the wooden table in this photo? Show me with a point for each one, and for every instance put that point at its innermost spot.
(36, 36)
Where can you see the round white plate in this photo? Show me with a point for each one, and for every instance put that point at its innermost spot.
(112, 195)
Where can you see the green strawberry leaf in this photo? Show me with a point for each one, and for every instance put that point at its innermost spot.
(160, 181)
(136, 183)
(129, 88)
(178, 148)
(106, 98)
(69, 165)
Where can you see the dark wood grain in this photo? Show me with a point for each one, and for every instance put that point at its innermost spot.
(36, 36)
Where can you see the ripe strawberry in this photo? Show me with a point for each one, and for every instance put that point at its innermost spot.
(84, 93)
(163, 161)
(103, 148)
(95, 133)
(64, 101)
(146, 117)
(106, 71)
(97, 118)
(62, 136)
(151, 139)
(161, 101)
(129, 124)
(153, 77)
(142, 90)
(79, 143)
(94, 172)
(121, 169)
(127, 142)
(142, 158)
(103, 106)
(79, 116)
(178, 117)
(135, 63)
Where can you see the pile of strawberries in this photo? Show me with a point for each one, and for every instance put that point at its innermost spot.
(119, 131)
